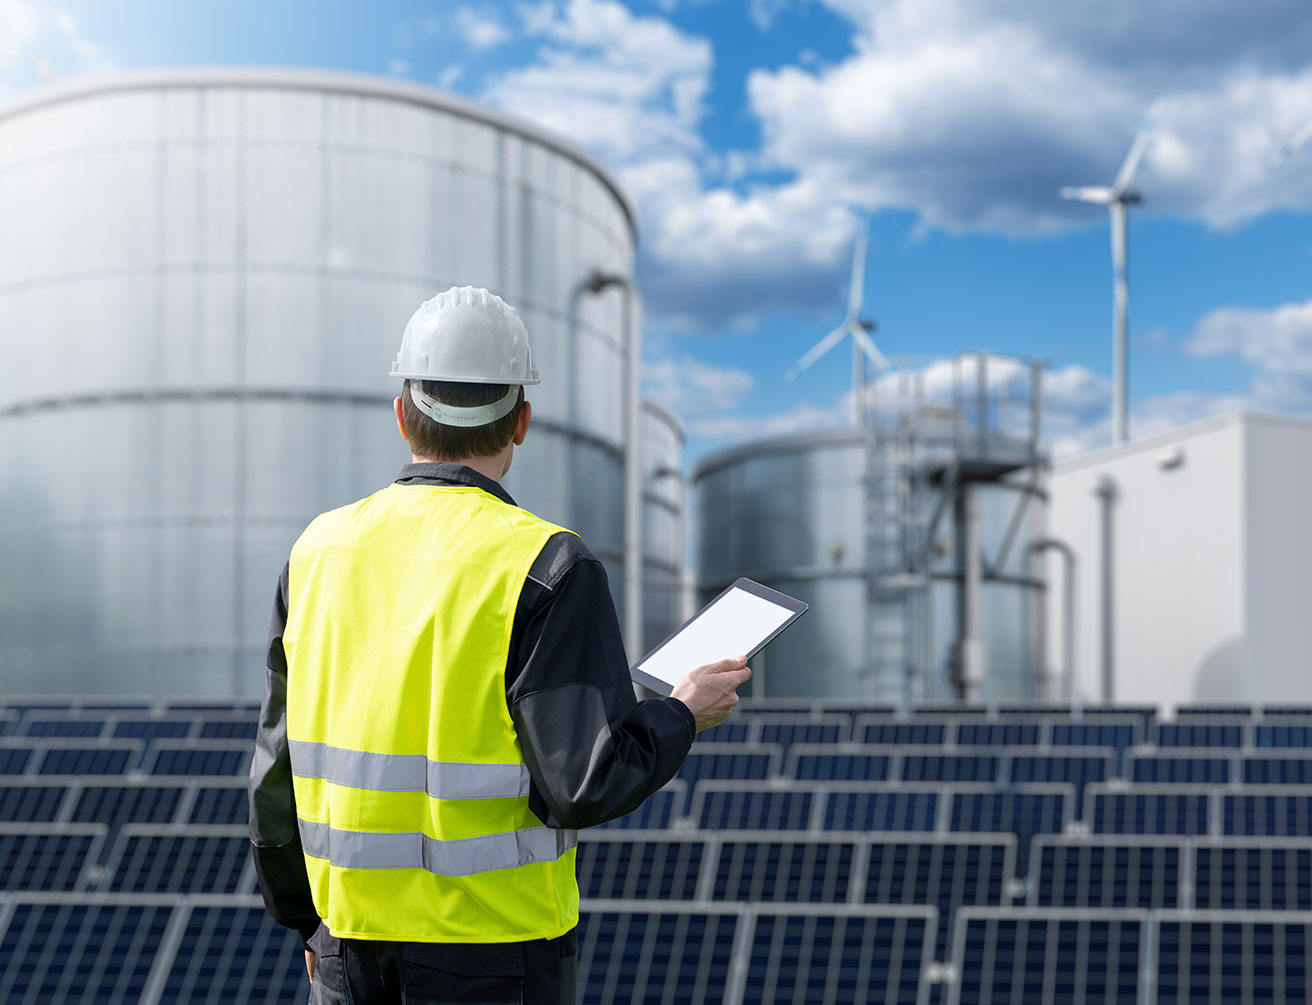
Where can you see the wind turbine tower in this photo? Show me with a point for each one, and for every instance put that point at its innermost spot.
(1117, 199)
(858, 329)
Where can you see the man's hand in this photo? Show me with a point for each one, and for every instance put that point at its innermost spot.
(710, 692)
(309, 964)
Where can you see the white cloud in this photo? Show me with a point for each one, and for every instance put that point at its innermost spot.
(1277, 343)
(38, 41)
(480, 30)
(398, 67)
(450, 76)
(973, 115)
(19, 23)
(802, 418)
(692, 387)
(765, 12)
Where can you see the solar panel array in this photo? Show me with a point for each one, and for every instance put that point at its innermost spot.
(808, 852)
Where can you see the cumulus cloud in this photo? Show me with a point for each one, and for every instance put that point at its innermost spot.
(1276, 342)
(480, 30)
(974, 115)
(37, 42)
(692, 388)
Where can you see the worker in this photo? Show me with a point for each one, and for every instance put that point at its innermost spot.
(448, 701)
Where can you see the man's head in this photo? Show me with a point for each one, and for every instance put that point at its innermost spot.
(465, 359)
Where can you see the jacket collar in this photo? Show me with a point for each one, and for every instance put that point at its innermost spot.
(446, 473)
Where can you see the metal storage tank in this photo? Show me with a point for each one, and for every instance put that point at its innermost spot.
(204, 276)
(665, 601)
(795, 514)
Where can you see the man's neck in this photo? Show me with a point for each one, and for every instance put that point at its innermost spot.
(489, 467)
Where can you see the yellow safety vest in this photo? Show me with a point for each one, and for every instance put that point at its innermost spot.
(411, 788)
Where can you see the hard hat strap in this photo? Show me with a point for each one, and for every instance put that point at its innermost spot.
(453, 415)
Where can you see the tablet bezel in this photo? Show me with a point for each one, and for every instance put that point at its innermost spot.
(795, 607)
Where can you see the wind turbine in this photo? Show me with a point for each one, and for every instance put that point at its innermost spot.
(859, 329)
(1117, 198)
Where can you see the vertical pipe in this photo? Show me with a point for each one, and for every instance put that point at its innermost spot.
(971, 659)
(1106, 493)
(633, 478)
(858, 386)
(1036, 548)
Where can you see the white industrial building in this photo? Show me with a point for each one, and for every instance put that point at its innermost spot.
(1194, 565)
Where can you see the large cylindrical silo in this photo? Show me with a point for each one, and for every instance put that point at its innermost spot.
(204, 276)
(664, 604)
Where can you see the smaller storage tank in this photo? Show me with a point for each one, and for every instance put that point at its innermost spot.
(664, 494)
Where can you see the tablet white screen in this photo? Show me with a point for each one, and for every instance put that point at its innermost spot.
(734, 625)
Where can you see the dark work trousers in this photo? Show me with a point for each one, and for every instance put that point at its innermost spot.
(361, 972)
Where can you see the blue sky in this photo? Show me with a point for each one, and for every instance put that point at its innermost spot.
(758, 136)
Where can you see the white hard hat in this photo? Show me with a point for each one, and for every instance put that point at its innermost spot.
(468, 336)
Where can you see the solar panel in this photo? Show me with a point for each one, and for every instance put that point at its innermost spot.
(236, 728)
(90, 949)
(963, 765)
(753, 805)
(126, 802)
(758, 867)
(946, 872)
(1178, 810)
(140, 727)
(1116, 733)
(888, 730)
(65, 725)
(875, 807)
(786, 730)
(1098, 871)
(218, 803)
(1278, 711)
(994, 733)
(1144, 713)
(730, 731)
(639, 865)
(8, 722)
(1192, 768)
(198, 757)
(14, 759)
(1215, 711)
(1045, 956)
(1211, 733)
(1034, 711)
(1076, 768)
(88, 757)
(671, 954)
(1025, 810)
(839, 762)
(1238, 958)
(1283, 734)
(46, 857)
(1268, 769)
(1282, 813)
(731, 761)
(839, 956)
(658, 811)
(26, 801)
(148, 858)
(232, 951)
(1262, 874)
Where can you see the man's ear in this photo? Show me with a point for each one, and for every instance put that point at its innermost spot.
(521, 425)
(400, 419)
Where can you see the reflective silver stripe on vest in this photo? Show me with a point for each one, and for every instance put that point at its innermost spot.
(358, 769)
(464, 857)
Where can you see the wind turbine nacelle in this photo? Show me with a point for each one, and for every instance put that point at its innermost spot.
(1131, 198)
(867, 324)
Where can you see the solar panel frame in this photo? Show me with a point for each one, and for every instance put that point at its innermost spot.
(1011, 731)
(209, 796)
(230, 758)
(1182, 794)
(1014, 798)
(890, 730)
(44, 843)
(78, 757)
(1237, 971)
(1258, 769)
(1289, 802)
(93, 800)
(784, 867)
(174, 858)
(806, 762)
(772, 728)
(960, 764)
(758, 760)
(1065, 970)
(896, 808)
(1160, 879)
(1109, 731)
(1286, 733)
(1076, 766)
(1200, 731)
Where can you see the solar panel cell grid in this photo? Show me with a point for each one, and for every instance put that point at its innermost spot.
(220, 805)
(730, 761)
(752, 806)
(1275, 814)
(147, 860)
(1097, 733)
(658, 811)
(672, 958)
(880, 809)
(780, 870)
(839, 960)
(1199, 734)
(98, 954)
(1211, 958)
(64, 726)
(898, 732)
(1076, 769)
(961, 766)
(46, 859)
(116, 805)
(228, 729)
(30, 803)
(997, 734)
(14, 760)
(235, 954)
(1092, 873)
(788, 733)
(1023, 812)
(152, 729)
(109, 757)
(821, 762)
(1283, 734)
(1262, 877)
(1154, 812)
(1277, 770)
(1045, 958)
(1179, 770)
(198, 757)
(651, 867)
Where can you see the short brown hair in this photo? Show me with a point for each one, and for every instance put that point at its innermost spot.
(434, 441)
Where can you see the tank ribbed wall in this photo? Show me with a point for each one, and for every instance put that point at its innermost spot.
(204, 276)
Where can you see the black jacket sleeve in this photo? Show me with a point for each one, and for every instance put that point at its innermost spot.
(275, 838)
(593, 751)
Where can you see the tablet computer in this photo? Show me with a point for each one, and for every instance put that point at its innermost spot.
(739, 622)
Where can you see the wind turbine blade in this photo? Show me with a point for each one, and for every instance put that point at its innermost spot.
(867, 344)
(856, 289)
(1099, 194)
(1125, 177)
(817, 350)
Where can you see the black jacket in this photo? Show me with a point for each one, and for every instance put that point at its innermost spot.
(566, 665)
